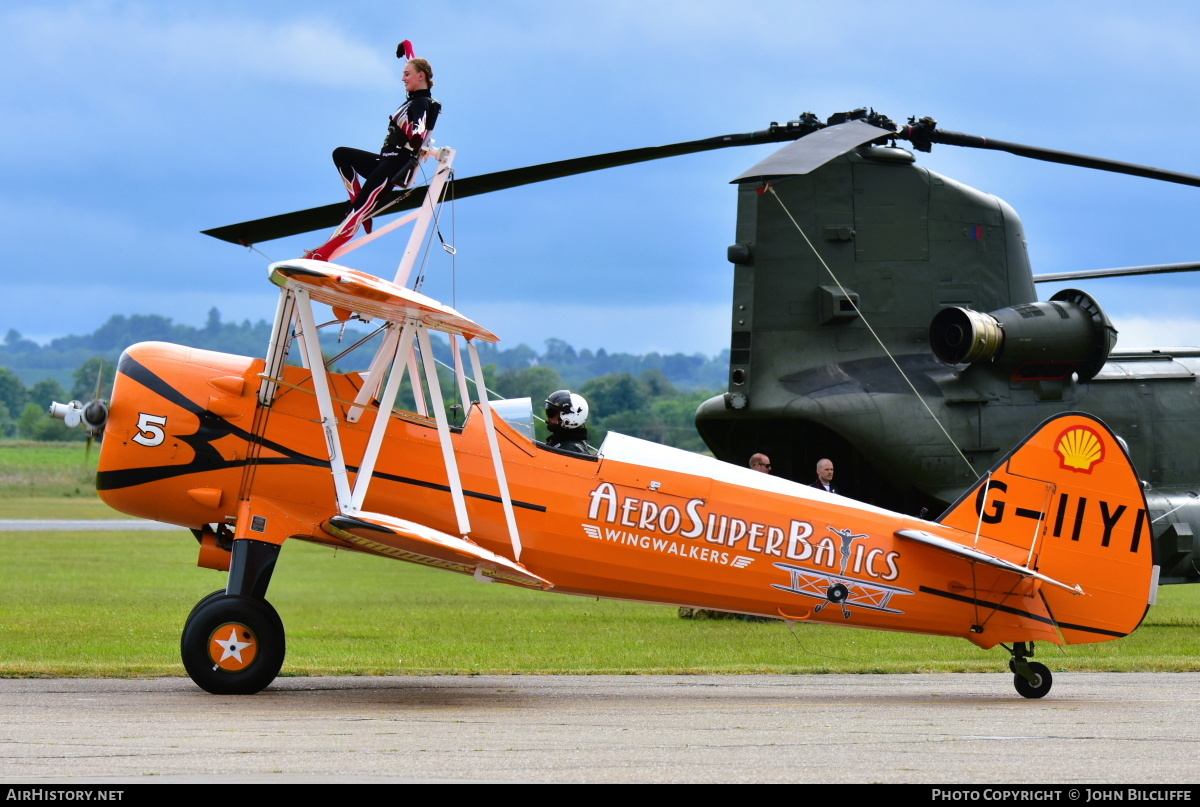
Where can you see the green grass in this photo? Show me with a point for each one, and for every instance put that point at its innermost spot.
(50, 480)
(112, 605)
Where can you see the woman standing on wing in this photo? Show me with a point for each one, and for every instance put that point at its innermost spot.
(396, 162)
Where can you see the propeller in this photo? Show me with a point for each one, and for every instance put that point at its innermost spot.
(93, 415)
(818, 144)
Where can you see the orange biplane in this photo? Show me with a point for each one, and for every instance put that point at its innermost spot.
(1052, 545)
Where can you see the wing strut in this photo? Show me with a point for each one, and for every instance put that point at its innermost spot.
(485, 409)
(311, 344)
(366, 468)
(439, 414)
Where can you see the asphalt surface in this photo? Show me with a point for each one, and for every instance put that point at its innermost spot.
(1093, 728)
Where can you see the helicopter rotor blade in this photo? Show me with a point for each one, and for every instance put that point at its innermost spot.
(921, 134)
(840, 135)
(1127, 271)
(316, 218)
(813, 151)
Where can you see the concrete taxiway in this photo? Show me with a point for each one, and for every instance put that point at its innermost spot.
(1092, 728)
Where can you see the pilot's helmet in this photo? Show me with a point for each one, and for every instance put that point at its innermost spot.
(571, 407)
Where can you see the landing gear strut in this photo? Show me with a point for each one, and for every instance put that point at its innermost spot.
(233, 640)
(1031, 679)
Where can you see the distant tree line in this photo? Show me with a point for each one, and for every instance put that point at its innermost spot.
(652, 396)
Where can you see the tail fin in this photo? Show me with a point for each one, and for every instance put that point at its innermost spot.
(1068, 494)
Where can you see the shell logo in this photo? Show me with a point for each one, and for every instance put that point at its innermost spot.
(1079, 448)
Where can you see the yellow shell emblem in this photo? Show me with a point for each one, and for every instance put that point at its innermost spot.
(1079, 448)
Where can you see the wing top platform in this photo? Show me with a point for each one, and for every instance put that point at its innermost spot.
(362, 293)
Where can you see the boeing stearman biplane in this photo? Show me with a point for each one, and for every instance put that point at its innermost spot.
(1052, 545)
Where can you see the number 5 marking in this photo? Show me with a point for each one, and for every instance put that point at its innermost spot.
(150, 429)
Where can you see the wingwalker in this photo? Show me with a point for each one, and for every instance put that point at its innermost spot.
(1052, 545)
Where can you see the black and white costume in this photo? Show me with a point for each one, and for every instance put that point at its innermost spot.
(396, 163)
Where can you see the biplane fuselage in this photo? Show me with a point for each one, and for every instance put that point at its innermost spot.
(639, 522)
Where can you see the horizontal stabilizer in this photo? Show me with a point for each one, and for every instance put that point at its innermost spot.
(416, 543)
(980, 557)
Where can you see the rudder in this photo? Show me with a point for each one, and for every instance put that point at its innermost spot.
(1068, 495)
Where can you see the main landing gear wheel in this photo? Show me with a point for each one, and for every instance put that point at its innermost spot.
(232, 645)
(1037, 687)
(203, 602)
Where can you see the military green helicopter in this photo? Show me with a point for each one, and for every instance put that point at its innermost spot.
(886, 317)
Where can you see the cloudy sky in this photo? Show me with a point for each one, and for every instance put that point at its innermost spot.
(128, 127)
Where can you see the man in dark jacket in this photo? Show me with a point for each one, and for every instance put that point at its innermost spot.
(825, 476)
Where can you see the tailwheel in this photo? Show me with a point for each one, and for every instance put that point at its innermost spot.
(232, 645)
(1038, 686)
(1032, 680)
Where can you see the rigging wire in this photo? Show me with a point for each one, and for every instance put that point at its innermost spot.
(967, 462)
(490, 392)
(436, 208)
(791, 626)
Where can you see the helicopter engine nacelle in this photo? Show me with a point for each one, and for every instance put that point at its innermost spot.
(1070, 333)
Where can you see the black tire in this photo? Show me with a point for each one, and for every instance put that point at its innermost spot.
(249, 657)
(1037, 688)
(204, 600)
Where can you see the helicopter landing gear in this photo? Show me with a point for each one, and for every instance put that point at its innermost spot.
(1031, 679)
(232, 645)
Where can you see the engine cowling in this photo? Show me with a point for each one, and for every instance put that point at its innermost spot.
(1070, 333)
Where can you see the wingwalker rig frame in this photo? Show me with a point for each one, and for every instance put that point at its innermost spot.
(408, 318)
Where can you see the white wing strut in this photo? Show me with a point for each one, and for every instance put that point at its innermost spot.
(311, 342)
(371, 455)
(439, 414)
(485, 409)
(375, 373)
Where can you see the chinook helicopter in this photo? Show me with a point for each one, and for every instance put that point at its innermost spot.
(886, 316)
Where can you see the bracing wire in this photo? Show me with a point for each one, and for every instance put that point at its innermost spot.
(490, 392)
(435, 229)
(862, 316)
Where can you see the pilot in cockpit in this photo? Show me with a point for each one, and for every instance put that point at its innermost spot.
(566, 412)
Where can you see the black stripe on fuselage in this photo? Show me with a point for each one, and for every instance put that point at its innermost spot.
(214, 427)
(1019, 612)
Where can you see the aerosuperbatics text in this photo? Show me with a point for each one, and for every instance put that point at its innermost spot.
(723, 539)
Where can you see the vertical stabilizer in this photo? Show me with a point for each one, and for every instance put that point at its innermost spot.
(1069, 498)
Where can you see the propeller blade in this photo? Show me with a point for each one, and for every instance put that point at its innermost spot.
(813, 151)
(1127, 271)
(99, 380)
(317, 218)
